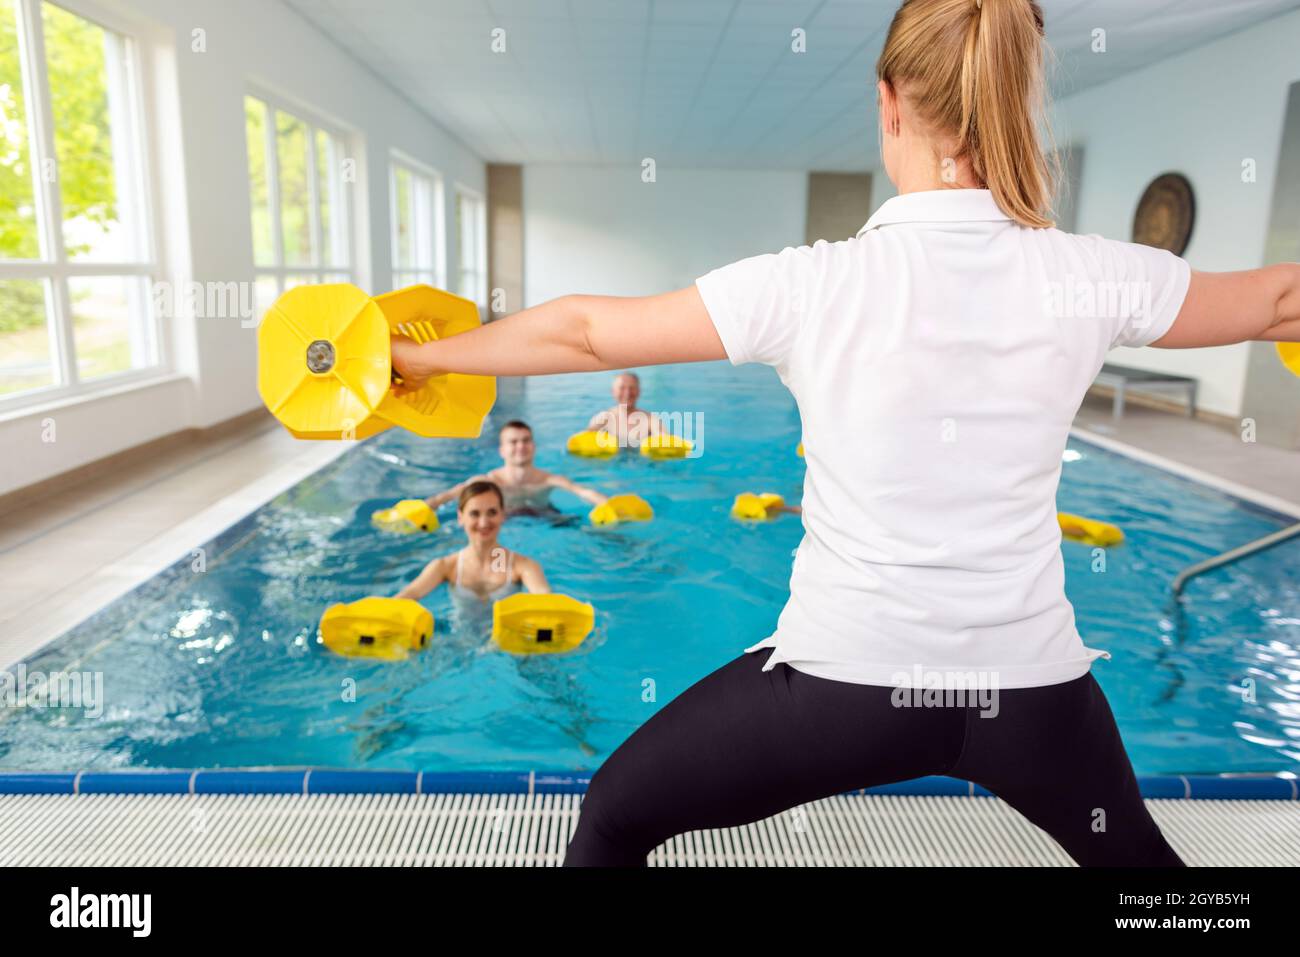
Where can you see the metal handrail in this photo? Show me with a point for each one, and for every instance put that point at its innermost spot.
(1241, 551)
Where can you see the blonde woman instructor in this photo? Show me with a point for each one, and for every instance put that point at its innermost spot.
(937, 377)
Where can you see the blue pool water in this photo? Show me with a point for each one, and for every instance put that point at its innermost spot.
(222, 668)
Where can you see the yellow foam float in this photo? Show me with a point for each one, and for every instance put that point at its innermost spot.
(527, 624)
(621, 508)
(324, 363)
(798, 450)
(1089, 531)
(1289, 353)
(757, 508)
(663, 446)
(592, 445)
(408, 515)
(386, 628)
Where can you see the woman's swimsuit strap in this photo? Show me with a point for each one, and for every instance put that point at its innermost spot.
(501, 591)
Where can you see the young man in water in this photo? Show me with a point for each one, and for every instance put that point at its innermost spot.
(624, 418)
(526, 487)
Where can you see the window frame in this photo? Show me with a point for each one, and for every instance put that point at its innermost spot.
(480, 296)
(436, 272)
(353, 148)
(54, 269)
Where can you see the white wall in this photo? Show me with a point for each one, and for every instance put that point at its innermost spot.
(203, 166)
(600, 230)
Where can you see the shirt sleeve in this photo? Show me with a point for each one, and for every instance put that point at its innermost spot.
(1141, 292)
(758, 304)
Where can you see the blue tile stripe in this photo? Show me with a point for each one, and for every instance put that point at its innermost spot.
(344, 781)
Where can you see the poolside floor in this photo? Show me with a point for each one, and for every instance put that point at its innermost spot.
(532, 830)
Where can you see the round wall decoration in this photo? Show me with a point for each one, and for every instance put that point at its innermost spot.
(1165, 214)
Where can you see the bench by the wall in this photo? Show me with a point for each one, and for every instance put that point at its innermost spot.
(1124, 378)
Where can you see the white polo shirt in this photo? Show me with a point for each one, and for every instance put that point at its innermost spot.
(938, 359)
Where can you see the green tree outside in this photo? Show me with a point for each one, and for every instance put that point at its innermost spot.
(76, 63)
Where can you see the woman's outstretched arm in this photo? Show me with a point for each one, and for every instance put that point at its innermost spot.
(571, 334)
(531, 576)
(434, 574)
(1223, 308)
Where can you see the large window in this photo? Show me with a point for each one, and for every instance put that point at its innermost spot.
(417, 217)
(76, 254)
(301, 181)
(471, 228)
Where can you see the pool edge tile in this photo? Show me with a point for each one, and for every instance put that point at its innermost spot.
(316, 781)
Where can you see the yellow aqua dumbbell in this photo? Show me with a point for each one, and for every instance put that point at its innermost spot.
(592, 445)
(408, 515)
(386, 628)
(621, 508)
(757, 508)
(1089, 531)
(1289, 352)
(324, 363)
(664, 446)
(527, 624)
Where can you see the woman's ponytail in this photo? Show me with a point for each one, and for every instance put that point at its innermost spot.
(973, 71)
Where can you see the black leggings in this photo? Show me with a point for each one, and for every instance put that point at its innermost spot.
(743, 744)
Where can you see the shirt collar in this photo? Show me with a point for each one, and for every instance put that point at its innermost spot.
(938, 206)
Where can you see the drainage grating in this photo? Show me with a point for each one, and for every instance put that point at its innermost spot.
(461, 830)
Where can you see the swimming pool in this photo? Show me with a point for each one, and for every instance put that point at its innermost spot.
(221, 667)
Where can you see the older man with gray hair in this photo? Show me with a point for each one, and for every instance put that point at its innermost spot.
(624, 420)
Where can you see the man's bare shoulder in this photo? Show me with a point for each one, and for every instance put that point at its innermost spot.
(555, 479)
(543, 477)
